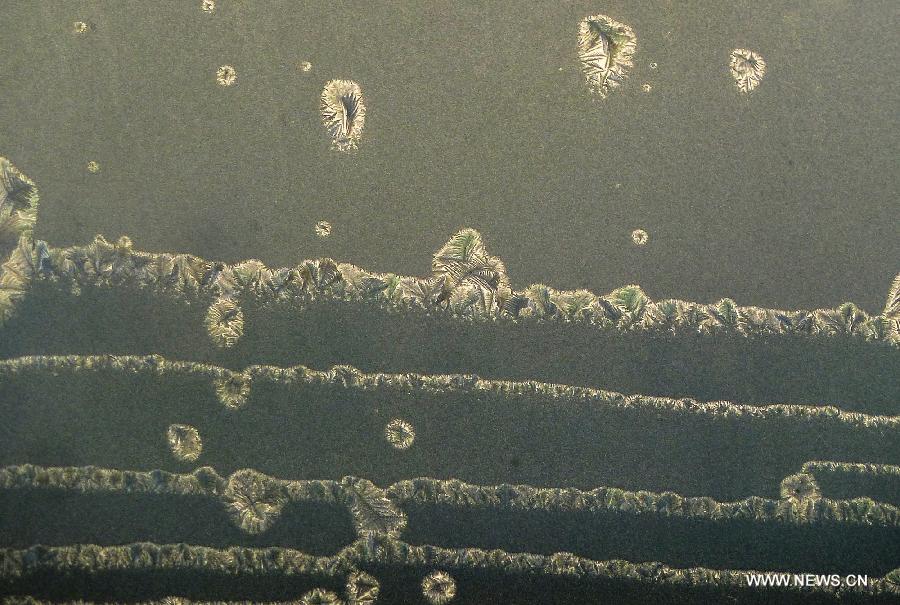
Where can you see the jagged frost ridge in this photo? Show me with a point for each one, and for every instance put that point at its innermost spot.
(887, 476)
(466, 283)
(170, 600)
(809, 509)
(379, 511)
(254, 499)
(350, 377)
(379, 550)
(20, 255)
(91, 558)
(857, 468)
(892, 310)
(567, 565)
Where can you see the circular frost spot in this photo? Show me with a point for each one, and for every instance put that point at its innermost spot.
(232, 389)
(254, 500)
(747, 68)
(343, 112)
(362, 589)
(399, 434)
(439, 587)
(224, 322)
(800, 487)
(226, 75)
(184, 442)
(323, 229)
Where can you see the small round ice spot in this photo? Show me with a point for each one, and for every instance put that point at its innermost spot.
(362, 589)
(439, 587)
(208, 6)
(253, 500)
(226, 75)
(80, 27)
(184, 442)
(605, 51)
(224, 322)
(232, 389)
(343, 113)
(323, 229)
(304, 66)
(800, 487)
(93, 167)
(640, 237)
(400, 434)
(747, 68)
(646, 87)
